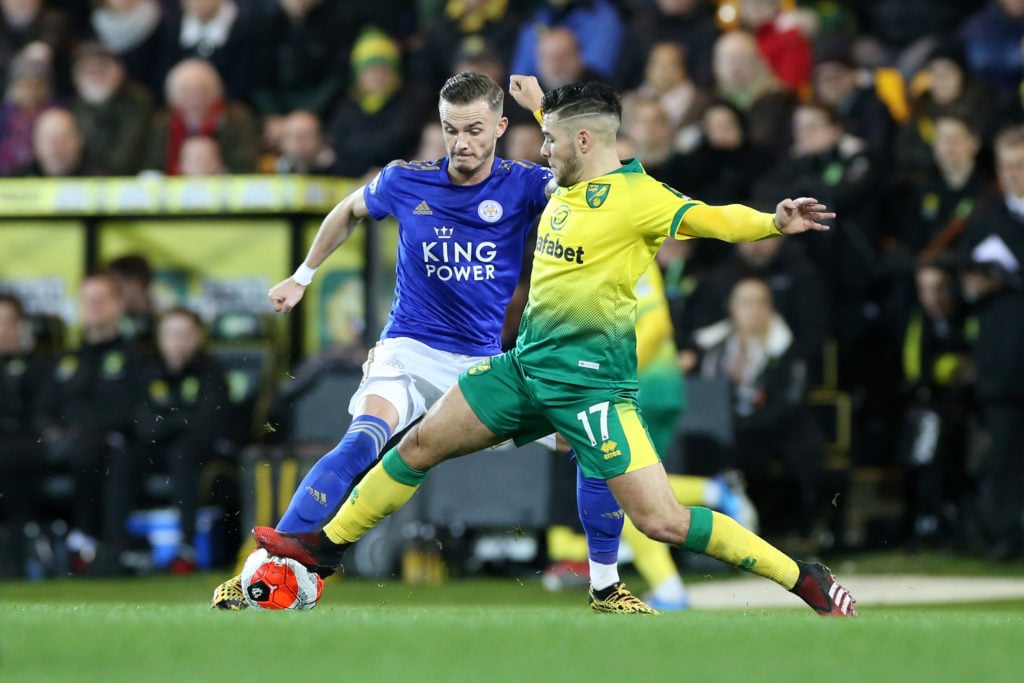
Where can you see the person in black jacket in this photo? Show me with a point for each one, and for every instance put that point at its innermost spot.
(992, 282)
(775, 442)
(22, 461)
(182, 424)
(87, 412)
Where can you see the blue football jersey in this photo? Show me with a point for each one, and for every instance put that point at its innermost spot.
(460, 249)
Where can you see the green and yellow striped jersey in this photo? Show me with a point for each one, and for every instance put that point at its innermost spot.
(594, 240)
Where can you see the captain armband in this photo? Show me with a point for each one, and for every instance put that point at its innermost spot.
(538, 116)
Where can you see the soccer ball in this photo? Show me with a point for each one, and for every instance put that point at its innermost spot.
(271, 582)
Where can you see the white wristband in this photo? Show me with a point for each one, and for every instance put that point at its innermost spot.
(303, 274)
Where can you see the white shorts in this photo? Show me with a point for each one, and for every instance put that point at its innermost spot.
(410, 375)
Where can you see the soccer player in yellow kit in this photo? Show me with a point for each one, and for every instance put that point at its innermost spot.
(573, 368)
(661, 394)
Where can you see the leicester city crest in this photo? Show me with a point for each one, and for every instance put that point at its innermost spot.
(597, 193)
(490, 211)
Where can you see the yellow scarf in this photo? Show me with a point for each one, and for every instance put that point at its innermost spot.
(472, 20)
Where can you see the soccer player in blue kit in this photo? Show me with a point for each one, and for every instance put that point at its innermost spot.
(463, 226)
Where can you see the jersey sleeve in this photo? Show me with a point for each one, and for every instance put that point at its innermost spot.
(538, 177)
(376, 194)
(657, 208)
(729, 223)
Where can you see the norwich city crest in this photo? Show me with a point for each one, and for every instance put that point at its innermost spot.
(597, 193)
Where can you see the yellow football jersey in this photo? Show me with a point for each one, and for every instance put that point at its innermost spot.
(594, 240)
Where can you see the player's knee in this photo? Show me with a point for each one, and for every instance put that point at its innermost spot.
(666, 524)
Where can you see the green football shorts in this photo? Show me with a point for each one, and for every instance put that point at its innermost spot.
(603, 425)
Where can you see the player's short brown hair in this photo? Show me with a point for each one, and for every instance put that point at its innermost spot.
(470, 86)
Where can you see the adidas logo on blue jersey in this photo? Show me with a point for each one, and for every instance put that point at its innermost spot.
(422, 210)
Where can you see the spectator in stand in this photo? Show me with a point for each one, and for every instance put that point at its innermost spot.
(797, 288)
(595, 24)
(949, 87)
(196, 105)
(28, 94)
(379, 101)
(302, 60)
(113, 112)
(559, 60)
(57, 147)
(782, 41)
(464, 26)
(665, 78)
(945, 197)
(776, 443)
(22, 460)
(724, 165)
(201, 156)
(133, 275)
(744, 79)
(992, 41)
(837, 83)
(130, 30)
(180, 427)
(24, 22)
(993, 244)
(87, 416)
(303, 147)
(648, 127)
(938, 371)
(523, 141)
(824, 162)
(687, 22)
(432, 143)
(218, 32)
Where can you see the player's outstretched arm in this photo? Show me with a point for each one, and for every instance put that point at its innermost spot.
(526, 91)
(793, 216)
(336, 227)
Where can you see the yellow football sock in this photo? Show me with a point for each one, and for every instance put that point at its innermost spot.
(652, 559)
(566, 545)
(722, 537)
(689, 490)
(384, 489)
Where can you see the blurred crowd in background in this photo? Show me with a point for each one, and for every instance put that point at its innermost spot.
(904, 324)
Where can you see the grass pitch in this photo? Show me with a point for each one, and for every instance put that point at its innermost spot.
(160, 629)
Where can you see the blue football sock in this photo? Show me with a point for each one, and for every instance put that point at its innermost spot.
(330, 479)
(601, 517)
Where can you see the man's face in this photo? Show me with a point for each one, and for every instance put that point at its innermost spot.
(301, 136)
(812, 131)
(833, 81)
(722, 128)
(933, 292)
(560, 150)
(178, 338)
(57, 143)
(100, 304)
(947, 80)
(954, 147)
(649, 126)
(1010, 168)
(735, 61)
(558, 59)
(10, 328)
(750, 308)
(665, 67)
(471, 132)
(97, 78)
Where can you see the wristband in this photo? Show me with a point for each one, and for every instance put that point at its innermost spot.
(539, 117)
(303, 274)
